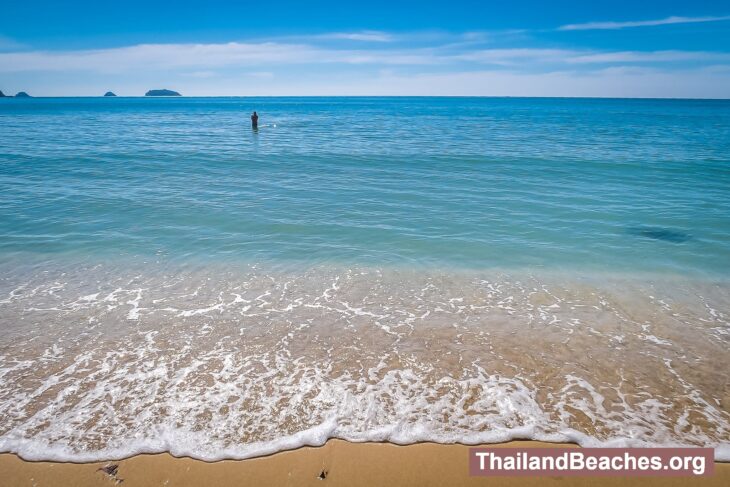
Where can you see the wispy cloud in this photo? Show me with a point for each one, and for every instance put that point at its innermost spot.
(647, 57)
(363, 36)
(641, 23)
(532, 57)
(201, 74)
(261, 74)
(201, 60)
(612, 82)
(205, 56)
(372, 62)
(517, 56)
(155, 56)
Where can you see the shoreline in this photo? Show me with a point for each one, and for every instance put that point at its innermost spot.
(343, 463)
(226, 365)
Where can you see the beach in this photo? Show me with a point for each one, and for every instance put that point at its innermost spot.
(336, 463)
(415, 271)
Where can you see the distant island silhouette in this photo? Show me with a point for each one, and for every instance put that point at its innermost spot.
(109, 93)
(2, 95)
(22, 94)
(162, 93)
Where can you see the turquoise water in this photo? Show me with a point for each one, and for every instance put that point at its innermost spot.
(467, 270)
(574, 184)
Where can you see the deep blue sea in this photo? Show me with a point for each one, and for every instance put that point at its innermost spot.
(603, 184)
(468, 270)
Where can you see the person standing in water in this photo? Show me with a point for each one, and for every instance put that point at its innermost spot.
(255, 121)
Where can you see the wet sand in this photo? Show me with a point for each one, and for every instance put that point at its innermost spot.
(343, 464)
(103, 362)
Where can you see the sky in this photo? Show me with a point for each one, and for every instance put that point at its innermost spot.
(452, 48)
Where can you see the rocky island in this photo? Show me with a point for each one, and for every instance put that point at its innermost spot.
(109, 93)
(162, 93)
(22, 94)
(2, 95)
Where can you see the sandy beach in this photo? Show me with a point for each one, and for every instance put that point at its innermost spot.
(340, 463)
(392, 244)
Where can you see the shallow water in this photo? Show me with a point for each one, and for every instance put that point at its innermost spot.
(457, 182)
(467, 270)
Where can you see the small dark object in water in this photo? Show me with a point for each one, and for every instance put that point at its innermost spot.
(659, 233)
(322, 475)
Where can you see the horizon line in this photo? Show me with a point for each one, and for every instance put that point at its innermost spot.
(375, 96)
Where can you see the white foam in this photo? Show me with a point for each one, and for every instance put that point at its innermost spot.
(653, 339)
(216, 368)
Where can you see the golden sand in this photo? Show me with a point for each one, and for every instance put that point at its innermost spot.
(340, 463)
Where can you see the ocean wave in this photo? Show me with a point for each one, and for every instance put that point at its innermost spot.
(104, 362)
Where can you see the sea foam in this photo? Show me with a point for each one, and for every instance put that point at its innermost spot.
(102, 362)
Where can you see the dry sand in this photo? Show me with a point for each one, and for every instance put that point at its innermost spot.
(345, 464)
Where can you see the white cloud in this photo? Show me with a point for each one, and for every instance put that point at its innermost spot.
(201, 60)
(533, 56)
(202, 74)
(364, 36)
(619, 81)
(311, 67)
(614, 82)
(159, 57)
(641, 23)
(516, 56)
(201, 56)
(647, 57)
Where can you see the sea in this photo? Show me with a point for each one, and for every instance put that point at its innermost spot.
(455, 270)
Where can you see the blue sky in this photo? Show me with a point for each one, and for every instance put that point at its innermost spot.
(528, 48)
